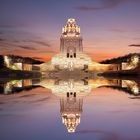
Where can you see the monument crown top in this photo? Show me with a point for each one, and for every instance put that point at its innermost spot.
(71, 20)
(71, 28)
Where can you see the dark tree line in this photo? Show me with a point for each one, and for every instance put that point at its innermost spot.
(19, 59)
(27, 60)
(120, 59)
(1, 61)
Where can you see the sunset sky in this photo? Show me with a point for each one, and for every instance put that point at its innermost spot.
(110, 28)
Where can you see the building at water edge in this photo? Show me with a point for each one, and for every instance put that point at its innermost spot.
(71, 54)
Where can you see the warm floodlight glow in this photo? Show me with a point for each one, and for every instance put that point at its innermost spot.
(71, 49)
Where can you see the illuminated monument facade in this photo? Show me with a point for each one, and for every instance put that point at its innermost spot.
(71, 54)
(71, 40)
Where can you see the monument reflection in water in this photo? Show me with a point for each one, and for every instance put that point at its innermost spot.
(71, 93)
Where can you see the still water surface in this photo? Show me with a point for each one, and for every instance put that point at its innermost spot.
(51, 109)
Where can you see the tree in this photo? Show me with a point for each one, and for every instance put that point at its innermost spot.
(120, 59)
(1, 62)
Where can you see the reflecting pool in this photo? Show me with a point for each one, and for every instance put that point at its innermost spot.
(70, 108)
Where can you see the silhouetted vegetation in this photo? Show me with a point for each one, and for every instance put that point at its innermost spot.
(18, 74)
(18, 89)
(124, 89)
(120, 59)
(1, 62)
(27, 60)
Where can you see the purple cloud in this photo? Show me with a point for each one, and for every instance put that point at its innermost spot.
(1, 39)
(104, 4)
(134, 45)
(134, 98)
(106, 135)
(27, 47)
